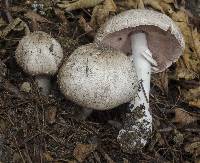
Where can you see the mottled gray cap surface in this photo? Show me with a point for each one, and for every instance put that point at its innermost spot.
(95, 78)
(164, 37)
(39, 54)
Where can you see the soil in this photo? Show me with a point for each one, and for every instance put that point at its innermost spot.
(36, 128)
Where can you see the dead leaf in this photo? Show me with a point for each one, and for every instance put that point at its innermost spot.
(196, 41)
(86, 27)
(188, 67)
(192, 96)
(82, 151)
(155, 4)
(110, 5)
(51, 114)
(164, 6)
(107, 157)
(101, 13)
(193, 148)
(195, 103)
(79, 4)
(182, 117)
(61, 15)
(140, 4)
(36, 18)
(161, 5)
(125, 160)
(127, 4)
(47, 157)
(167, 8)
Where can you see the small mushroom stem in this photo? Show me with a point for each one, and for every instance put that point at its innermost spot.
(139, 121)
(44, 83)
(84, 113)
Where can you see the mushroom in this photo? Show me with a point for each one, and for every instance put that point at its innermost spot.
(97, 78)
(39, 55)
(153, 42)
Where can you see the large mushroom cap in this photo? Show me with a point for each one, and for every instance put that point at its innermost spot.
(38, 53)
(98, 78)
(164, 37)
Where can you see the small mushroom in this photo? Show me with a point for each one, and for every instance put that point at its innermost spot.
(154, 42)
(97, 78)
(39, 55)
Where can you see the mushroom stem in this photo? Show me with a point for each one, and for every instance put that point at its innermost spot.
(84, 113)
(138, 123)
(142, 65)
(44, 83)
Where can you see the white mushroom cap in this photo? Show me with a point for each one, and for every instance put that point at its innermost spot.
(95, 78)
(164, 38)
(39, 54)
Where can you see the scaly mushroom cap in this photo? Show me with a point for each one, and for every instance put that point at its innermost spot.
(38, 54)
(95, 78)
(164, 37)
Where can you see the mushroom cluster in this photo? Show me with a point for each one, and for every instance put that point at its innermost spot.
(113, 70)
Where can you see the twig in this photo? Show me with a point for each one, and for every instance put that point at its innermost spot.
(192, 129)
(168, 129)
(12, 25)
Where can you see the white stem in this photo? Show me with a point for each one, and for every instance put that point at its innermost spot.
(44, 84)
(139, 128)
(143, 69)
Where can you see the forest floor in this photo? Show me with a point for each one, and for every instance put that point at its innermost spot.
(36, 128)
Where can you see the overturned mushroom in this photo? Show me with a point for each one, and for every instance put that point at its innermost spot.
(39, 55)
(154, 42)
(97, 78)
